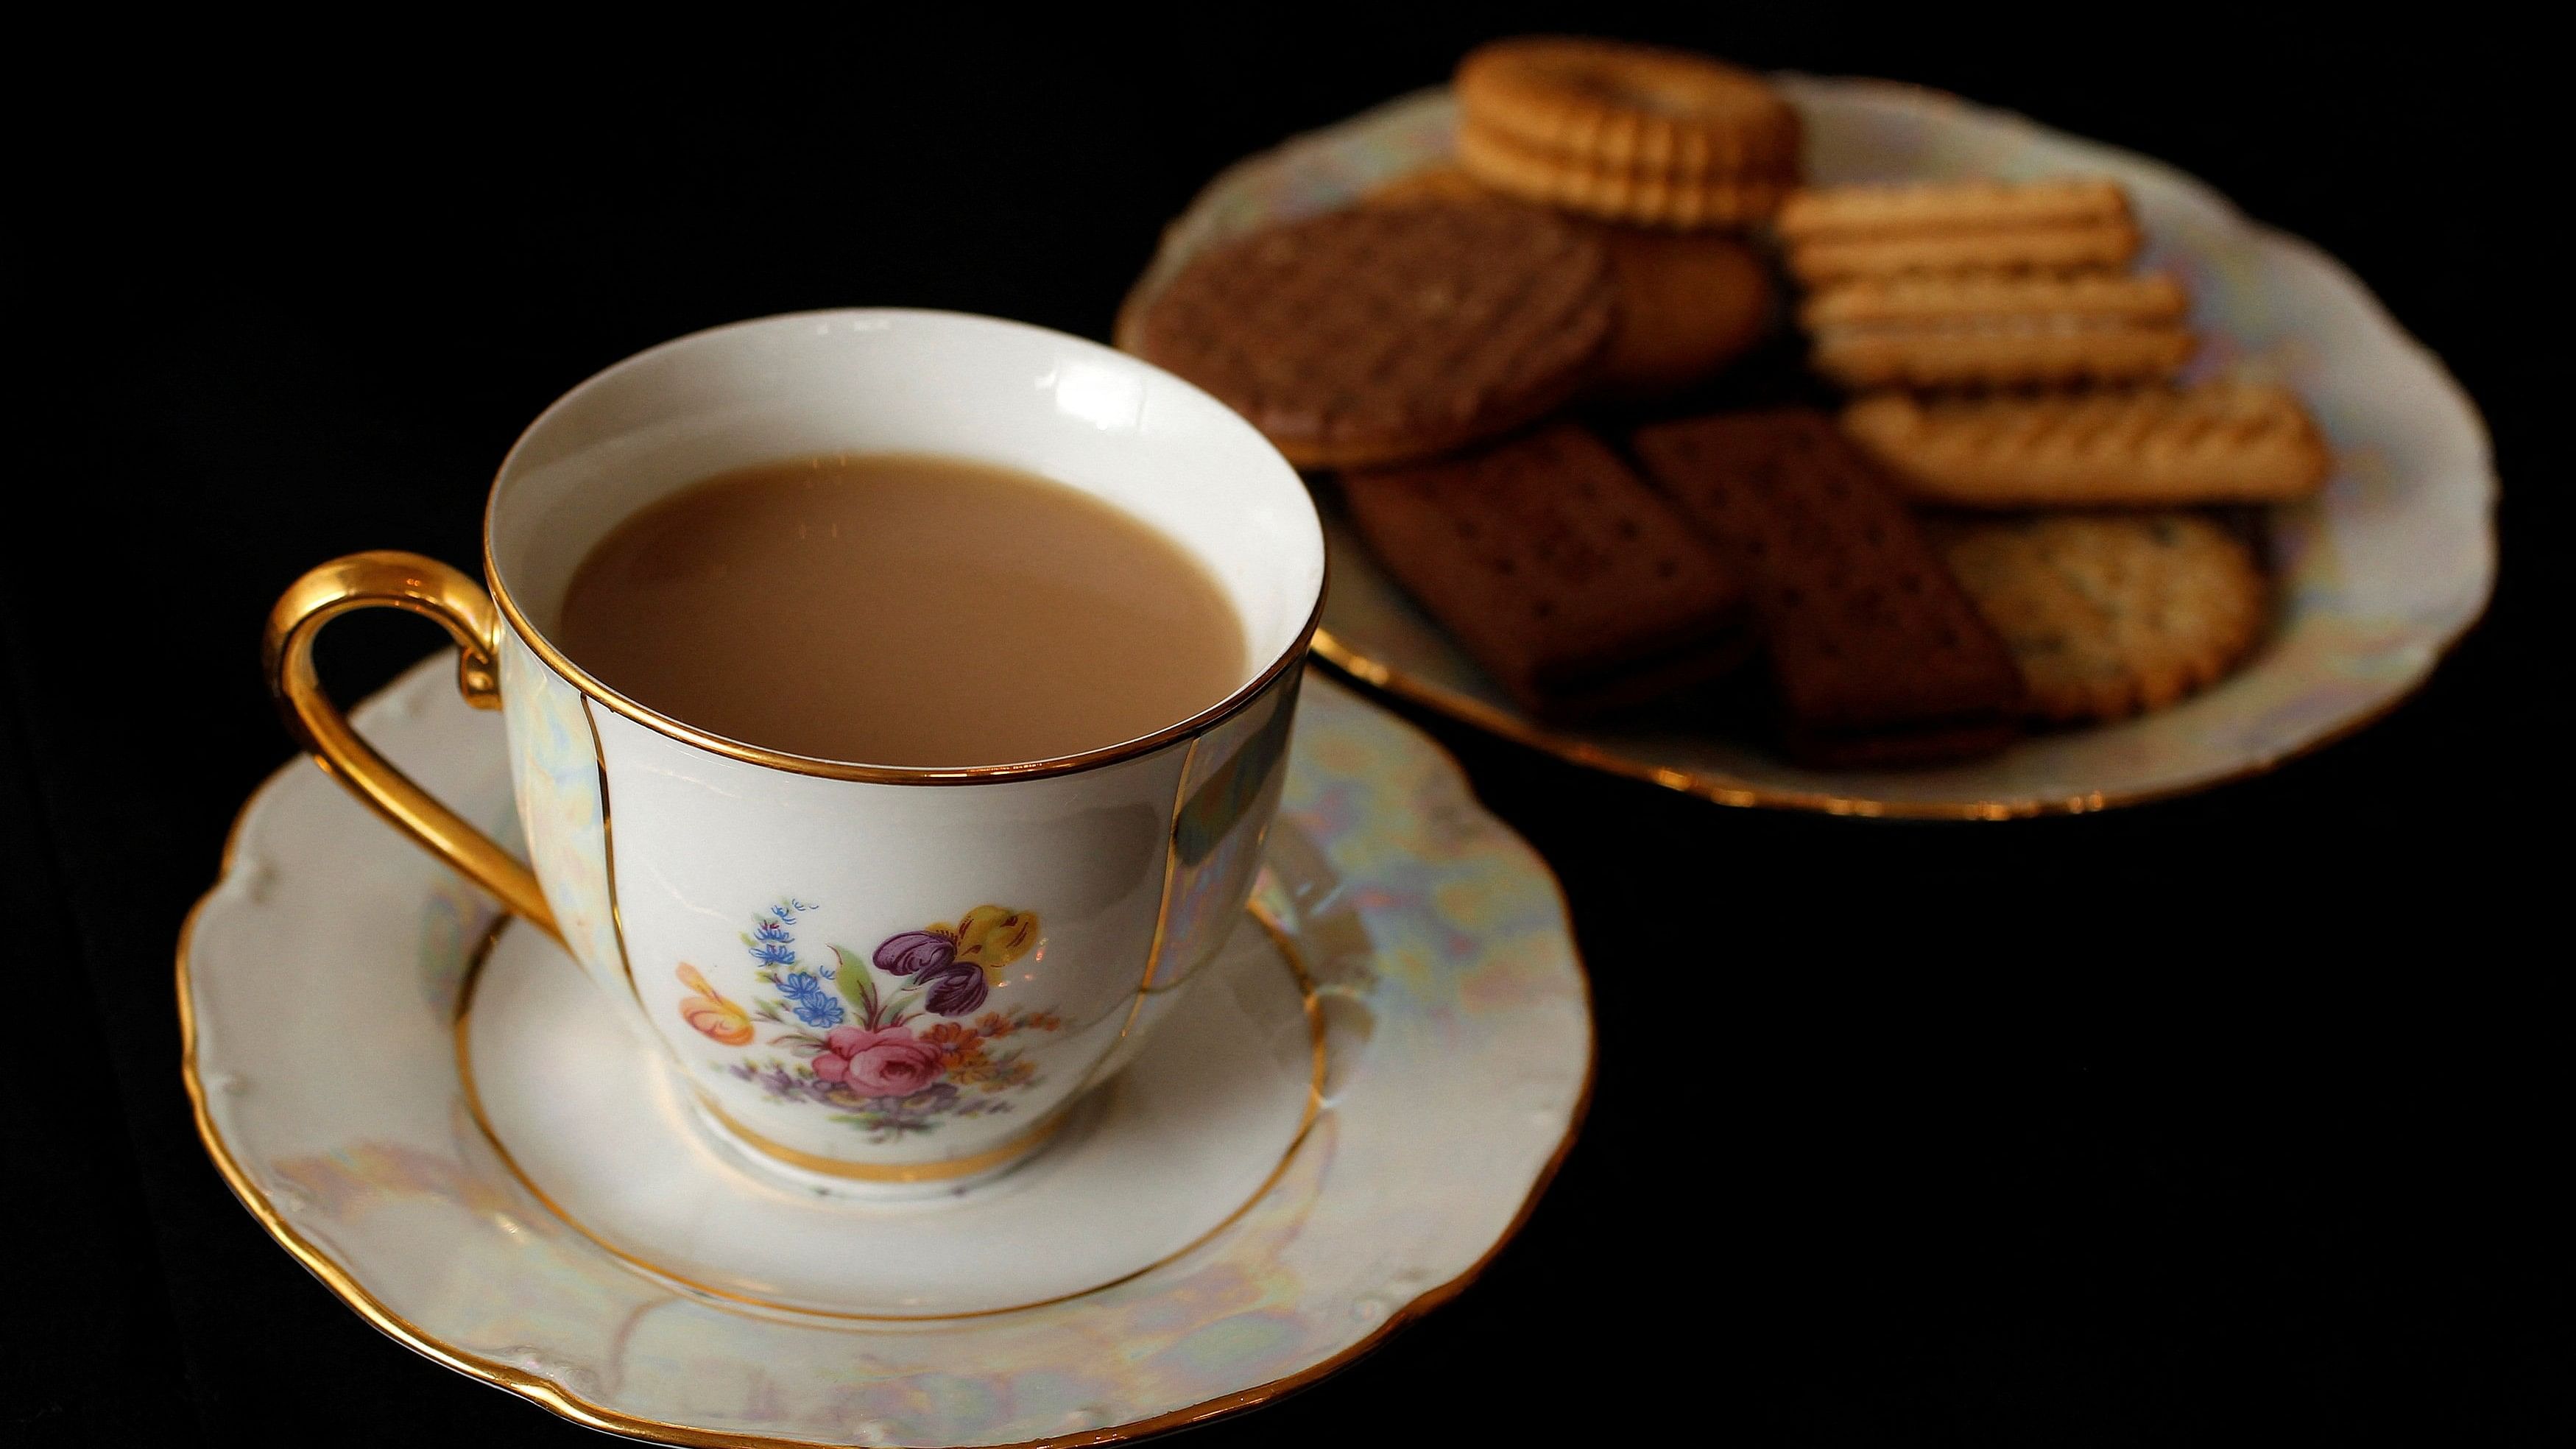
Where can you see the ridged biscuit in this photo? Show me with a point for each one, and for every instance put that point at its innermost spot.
(1639, 197)
(2108, 615)
(1917, 298)
(1628, 108)
(2074, 246)
(2000, 352)
(1920, 208)
(2152, 447)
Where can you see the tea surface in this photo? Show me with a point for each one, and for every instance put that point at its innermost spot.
(899, 609)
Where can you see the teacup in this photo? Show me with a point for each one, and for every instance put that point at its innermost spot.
(864, 974)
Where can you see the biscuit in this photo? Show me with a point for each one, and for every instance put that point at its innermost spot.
(1573, 584)
(2108, 615)
(1681, 201)
(2072, 247)
(1924, 299)
(1689, 303)
(2212, 443)
(1383, 334)
(1627, 108)
(1919, 208)
(1877, 656)
(1430, 183)
(2000, 352)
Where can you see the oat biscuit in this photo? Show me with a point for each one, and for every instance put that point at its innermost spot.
(1628, 108)
(1572, 583)
(1681, 201)
(1689, 303)
(2213, 443)
(2108, 615)
(1383, 334)
(1877, 656)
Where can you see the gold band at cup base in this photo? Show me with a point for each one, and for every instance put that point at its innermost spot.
(945, 1170)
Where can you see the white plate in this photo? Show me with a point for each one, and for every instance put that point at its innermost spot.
(2377, 578)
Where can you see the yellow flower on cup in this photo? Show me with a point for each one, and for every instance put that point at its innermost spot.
(715, 1017)
(993, 937)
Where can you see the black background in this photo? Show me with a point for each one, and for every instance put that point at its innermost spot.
(2239, 1117)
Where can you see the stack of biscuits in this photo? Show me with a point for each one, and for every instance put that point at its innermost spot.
(1980, 284)
(1625, 133)
(1468, 349)
(2005, 357)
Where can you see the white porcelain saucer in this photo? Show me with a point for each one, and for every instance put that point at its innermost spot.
(1333, 1133)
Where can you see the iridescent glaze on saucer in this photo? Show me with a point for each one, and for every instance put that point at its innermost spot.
(320, 983)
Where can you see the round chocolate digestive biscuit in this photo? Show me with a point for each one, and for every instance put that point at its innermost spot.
(1380, 335)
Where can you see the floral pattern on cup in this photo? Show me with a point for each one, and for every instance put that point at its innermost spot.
(850, 1046)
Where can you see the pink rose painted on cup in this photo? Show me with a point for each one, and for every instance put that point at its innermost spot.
(852, 1048)
(886, 1062)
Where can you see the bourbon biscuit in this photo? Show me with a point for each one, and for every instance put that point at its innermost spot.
(1678, 200)
(1628, 108)
(1877, 656)
(2150, 447)
(2108, 615)
(1382, 334)
(1574, 585)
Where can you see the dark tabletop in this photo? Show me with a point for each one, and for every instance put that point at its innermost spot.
(2239, 1117)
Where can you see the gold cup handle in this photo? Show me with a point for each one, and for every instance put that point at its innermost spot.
(383, 578)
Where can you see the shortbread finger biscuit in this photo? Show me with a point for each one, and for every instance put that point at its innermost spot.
(1922, 208)
(1573, 584)
(1387, 333)
(1628, 108)
(1877, 655)
(2000, 352)
(2214, 443)
(1637, 197)
(1929, 298)
(2108, 615)
(2073, 246)
(1689, 303)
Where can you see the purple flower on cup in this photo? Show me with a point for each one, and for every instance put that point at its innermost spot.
(956, 988)
(916, 954)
